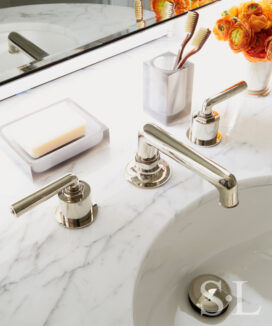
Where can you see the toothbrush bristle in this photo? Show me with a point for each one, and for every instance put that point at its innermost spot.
(167, 10)
(191, 21)
(201, 37)
(138, 6)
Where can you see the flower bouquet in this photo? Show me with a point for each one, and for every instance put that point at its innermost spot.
(248, 29)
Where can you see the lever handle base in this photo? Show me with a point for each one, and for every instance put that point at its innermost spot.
(77, 223)
(204, 143)
(148, 175)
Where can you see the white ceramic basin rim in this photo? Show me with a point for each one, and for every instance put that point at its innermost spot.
(234, 244)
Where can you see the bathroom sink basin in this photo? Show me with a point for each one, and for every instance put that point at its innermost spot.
(234, 244)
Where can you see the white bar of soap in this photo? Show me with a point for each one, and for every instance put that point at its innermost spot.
(48, 129)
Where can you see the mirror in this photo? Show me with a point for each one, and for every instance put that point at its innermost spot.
(35, 34)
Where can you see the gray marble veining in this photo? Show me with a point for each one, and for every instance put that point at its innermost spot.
(53, 276)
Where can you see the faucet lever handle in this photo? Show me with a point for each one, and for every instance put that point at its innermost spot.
(205, 124)
(222, 96)
(75, 209)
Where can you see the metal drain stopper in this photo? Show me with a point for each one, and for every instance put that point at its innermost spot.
(210, 295)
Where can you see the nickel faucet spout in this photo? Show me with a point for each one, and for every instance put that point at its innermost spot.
(148, 170)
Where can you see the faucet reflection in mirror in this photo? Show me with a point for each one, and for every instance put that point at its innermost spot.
(17, 43)
(148, 170)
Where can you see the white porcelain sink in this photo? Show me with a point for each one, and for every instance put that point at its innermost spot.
(235, 244)
(49, 37)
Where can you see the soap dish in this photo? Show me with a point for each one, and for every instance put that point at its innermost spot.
(96, 133)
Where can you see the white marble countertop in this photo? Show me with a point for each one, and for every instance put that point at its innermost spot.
(53, 276)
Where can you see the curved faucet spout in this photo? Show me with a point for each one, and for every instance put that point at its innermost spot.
(228, 192)
(148, 168)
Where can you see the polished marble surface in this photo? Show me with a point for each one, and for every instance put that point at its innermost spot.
(53, 276)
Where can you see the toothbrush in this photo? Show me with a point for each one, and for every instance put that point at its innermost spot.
(190, 26)
(138, 7)
(167, 10)
(139, 13)
(198, 41)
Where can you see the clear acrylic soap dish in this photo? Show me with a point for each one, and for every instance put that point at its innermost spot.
(96, 133)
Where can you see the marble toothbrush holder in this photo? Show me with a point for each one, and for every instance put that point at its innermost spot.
(167, 93)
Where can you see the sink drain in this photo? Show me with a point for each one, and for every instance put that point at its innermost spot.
(209, 295)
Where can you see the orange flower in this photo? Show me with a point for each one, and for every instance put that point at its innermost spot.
(250, 31)
(234, 11)
(267, 8)
(181, 6)
(194, 4)
(247, 9)
(257, 23)
(269, 32)
(257, 52)
(204, 2)
(268, 48)
(240, 37)
(222, 28)
(265, 2)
